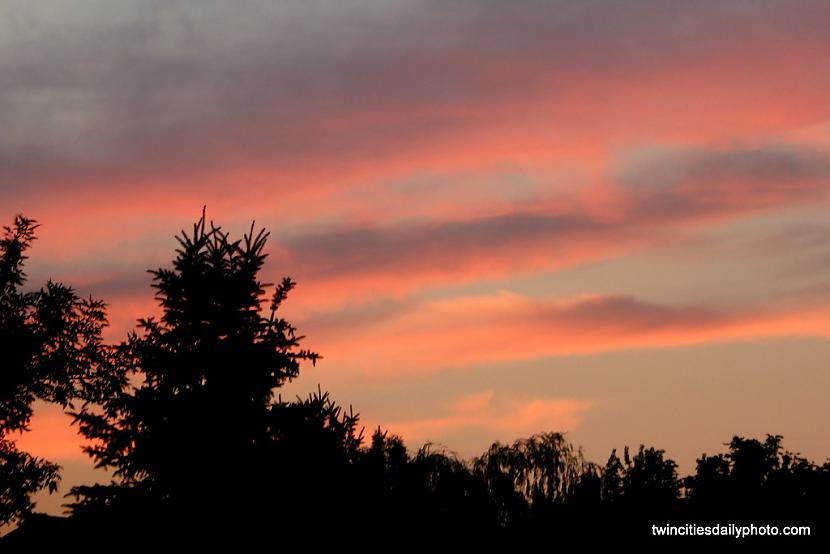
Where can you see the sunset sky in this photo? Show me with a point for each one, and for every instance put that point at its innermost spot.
(607, 218)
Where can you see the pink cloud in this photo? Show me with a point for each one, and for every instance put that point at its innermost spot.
(506, 327)
(486, 414)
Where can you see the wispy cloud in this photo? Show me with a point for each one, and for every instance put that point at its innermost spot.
(486, 414)
(461, 332)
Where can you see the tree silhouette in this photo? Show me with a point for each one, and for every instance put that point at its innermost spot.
(200, 409)
(532, 473)
(52, 350)
(613, 479)
(650, 479)
(22, 475)
(757, 478)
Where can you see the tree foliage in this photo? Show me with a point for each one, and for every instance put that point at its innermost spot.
(52, 350)
(22, 475)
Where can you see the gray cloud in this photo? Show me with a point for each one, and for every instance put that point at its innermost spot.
(357, 318)
(433, 245)
(713, 183)
(667, 191)
(629, 314)
(143, 86)
(778, 165)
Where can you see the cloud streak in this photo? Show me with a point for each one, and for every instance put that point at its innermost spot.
(463, 332)
(501, 418)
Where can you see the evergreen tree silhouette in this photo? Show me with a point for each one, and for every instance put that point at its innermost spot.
(191, 431)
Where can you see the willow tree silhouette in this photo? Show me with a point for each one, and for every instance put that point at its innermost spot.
(50, 340)
(192, 431)
(533, 475)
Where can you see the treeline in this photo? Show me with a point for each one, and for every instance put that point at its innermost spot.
(185, 415)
